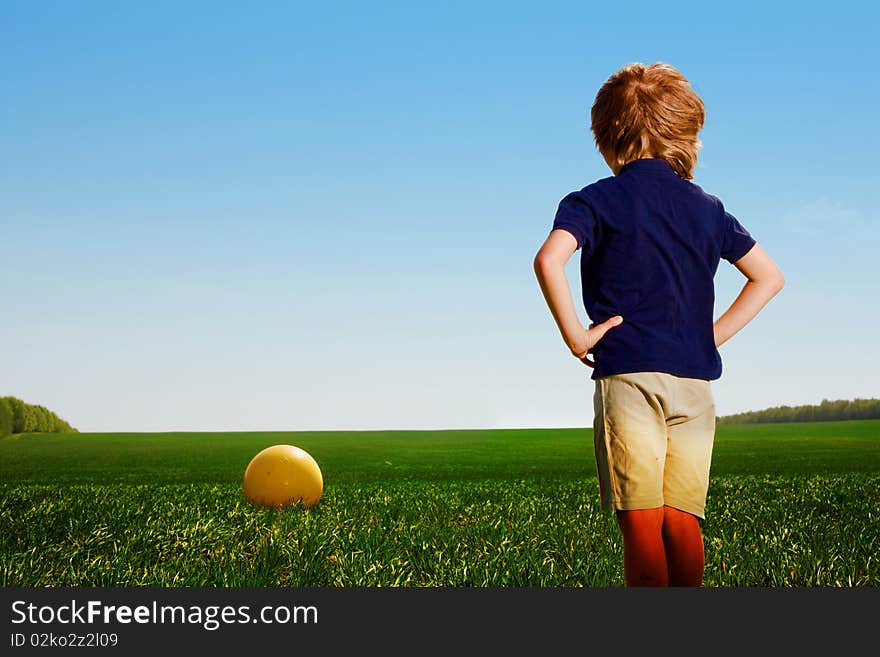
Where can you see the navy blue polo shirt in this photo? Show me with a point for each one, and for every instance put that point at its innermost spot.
(650, 245)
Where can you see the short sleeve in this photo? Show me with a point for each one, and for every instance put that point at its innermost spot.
(576, 215)
(735, 239)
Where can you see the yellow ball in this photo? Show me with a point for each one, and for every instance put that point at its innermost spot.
(282, 475)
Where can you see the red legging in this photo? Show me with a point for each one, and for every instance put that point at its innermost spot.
(661, 547)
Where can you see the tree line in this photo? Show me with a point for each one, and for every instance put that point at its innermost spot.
(839, 409)
(17, 416)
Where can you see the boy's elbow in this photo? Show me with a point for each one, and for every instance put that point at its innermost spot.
(774, 285)
(551, 259)
(779, 283)
(540, 262)
(772, 280)
(545, 265)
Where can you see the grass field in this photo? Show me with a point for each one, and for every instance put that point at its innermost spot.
(792, 504)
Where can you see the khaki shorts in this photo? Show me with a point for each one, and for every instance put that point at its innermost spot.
(653, 434)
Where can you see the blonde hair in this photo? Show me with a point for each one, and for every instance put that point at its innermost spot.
(648, 111)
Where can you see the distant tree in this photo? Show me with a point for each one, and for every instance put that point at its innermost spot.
(32, 418)
(5, 417)
(60, 426)
(39, 421)
(839, 409)
(45, 424)
(17, 413)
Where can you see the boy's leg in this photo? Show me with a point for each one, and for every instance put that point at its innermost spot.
(691, 433)
(644, 551)
(683, 544)
(630, 439)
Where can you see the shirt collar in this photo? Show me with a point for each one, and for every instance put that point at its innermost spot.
(657, 164)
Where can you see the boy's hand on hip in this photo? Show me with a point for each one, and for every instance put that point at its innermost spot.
(585, 343)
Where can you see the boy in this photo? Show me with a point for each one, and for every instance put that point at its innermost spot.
(650, 243)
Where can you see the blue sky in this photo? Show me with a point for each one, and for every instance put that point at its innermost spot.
(280, 216)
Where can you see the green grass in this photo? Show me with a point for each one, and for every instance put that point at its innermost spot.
(791, 504)
(383, 456)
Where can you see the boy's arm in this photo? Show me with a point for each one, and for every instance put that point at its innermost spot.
(549, 267)
(765, 280)
(550, 270)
